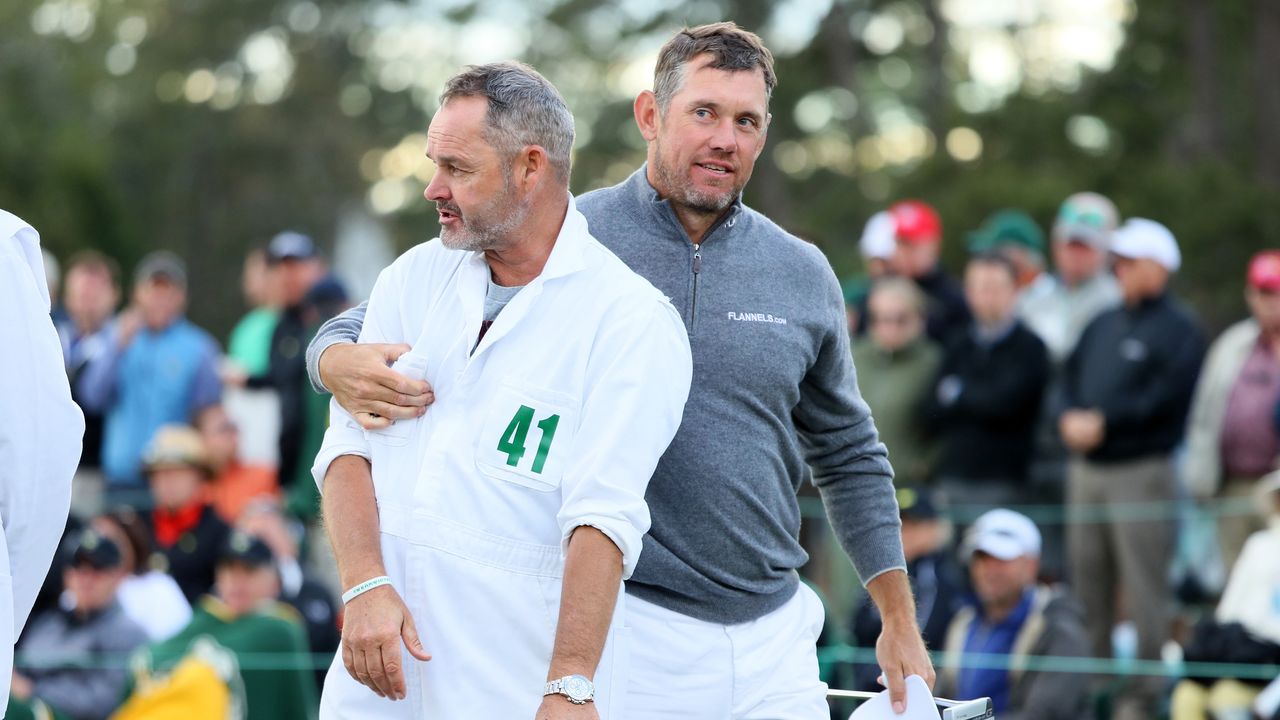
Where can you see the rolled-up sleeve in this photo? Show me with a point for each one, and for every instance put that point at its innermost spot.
(638, 381)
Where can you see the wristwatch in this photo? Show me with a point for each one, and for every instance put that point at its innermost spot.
(576, 688)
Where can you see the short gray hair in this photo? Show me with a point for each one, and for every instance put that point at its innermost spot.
(524, 109)
(730, 47)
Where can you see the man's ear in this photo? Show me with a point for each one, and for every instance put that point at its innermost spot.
(530, 165)
(647, 114)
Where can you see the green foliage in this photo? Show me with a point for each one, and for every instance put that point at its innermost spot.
(124, 163)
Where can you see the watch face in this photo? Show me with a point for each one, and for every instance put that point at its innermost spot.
(577, 687)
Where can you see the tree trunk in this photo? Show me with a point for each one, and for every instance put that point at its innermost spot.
(935, 100)
(1266, 63)
(1206, 137)
(842, 56)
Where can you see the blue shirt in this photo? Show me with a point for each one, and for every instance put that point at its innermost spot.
(162, 377)
(995, 639)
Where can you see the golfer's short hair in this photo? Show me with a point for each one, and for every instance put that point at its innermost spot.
(730, 47)
(524, 109)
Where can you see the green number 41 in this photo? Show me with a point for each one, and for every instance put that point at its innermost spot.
(513, 438)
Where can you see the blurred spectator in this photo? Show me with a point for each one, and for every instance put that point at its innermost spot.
(312, 600)
(1015, 235)
(1059, 306)
(185, 530)
(79, 651)
(936, 580)
(1011, 615)
(297, 266)
(89, 341)
(896, 366)
(149, 597)
(876, 246)
(250, 343)
(233, 485)
(917, 254)
(1127, 388)
(1245, 628)
(252, 647)
(53, 281)
(986, 398)
(1231, 441)
(167, 373)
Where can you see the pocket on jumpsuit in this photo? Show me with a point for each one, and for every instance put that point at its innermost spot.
(527, 436)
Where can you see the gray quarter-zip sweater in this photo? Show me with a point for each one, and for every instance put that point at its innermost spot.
(773, 395)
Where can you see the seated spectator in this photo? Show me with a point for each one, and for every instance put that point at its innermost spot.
(241, 648)
(986, 398)
(1244, 629)
(313, 601)
(936, 581)
(234, 485)
(896, 365)
(81, 648)
(1011, 615)
(149, 597)
(185, 531)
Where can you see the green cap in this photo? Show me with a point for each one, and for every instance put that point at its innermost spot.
(1005, 228)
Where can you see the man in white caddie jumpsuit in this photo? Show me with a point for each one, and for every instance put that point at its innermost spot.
(510, 513)
(40, 434)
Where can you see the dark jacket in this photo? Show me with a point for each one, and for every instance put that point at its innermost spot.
(1054, 627)
(192, 559)
(287, 374)
(988, 429)
(947, 312)
(1138, 365)
(82, 659)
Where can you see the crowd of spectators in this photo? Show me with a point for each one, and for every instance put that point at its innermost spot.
(1047, 413)
(1066, 415)
(185, 587)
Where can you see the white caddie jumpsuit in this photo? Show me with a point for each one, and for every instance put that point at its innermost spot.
(556, 420)
(40, 434)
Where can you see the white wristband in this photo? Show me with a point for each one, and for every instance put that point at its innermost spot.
(364, 587)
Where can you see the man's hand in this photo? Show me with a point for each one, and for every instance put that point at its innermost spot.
(1082, 430)
(374, 625)
(558, 707)
(900, 649)
(21, 687)
(362, 381)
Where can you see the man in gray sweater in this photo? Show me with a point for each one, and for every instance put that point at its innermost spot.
(721, 625)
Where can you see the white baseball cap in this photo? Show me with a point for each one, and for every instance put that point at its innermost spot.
(878, 236)
(1142, 239)
(1002, 534)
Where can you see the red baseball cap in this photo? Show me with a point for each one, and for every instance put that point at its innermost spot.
(1264, 271)
(916, 222)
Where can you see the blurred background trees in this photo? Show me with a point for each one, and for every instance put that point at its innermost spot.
(206, 127)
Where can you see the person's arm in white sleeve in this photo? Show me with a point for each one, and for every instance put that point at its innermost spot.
(40, 427)
(377, 621)
(634, 400)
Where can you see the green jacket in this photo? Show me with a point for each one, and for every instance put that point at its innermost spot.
(894, 385)
(273, 670)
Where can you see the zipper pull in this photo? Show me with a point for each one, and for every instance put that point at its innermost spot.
(697, 259)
